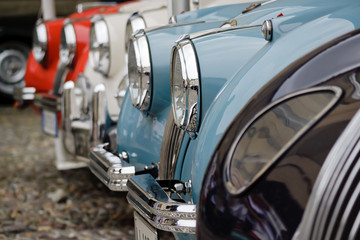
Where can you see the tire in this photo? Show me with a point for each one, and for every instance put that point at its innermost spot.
(13, 58)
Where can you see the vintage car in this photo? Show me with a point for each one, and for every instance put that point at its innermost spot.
(300, 127)
(90, 112)
(42, 61)
(140, 122)
(205, 99)
(106, 71)
(72, 59)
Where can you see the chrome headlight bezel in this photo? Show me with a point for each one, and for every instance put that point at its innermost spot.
(40, 42)
(186, 77)
(134, 23)
(139, 71)
(67, 44)
(99, 53)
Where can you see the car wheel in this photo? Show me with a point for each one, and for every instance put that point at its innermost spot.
(13, 58)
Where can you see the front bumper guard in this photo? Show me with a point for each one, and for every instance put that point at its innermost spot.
(85, 130)
(48, 101)
(111, 169)
(22, 94)
(150, 199)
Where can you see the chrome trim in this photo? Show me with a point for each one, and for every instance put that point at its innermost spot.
(112, 140)
(220, 30)
(172, 19)
(144, 78)
(226, 169)
(80, 7)
(22, 94)
(151, 201)
(109, 168)
(40, 41)
(67, 44)
(68, 107)
(60, 77)
(98, 114)
(267, 30)
(337, 167)
(48, 102)
(76, 130)
(134, 23)
(100, 46)
(229, 23)
(191, 82)
(170, 148)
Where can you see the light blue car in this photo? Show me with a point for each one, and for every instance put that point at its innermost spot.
(146, 104)
(213, 75)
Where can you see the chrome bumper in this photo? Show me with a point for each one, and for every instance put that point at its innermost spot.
(83, 130)
(150, 199)
(48, 101)
(22, 94)
(111, 169)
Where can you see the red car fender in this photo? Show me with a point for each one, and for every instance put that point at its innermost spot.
(41, 75)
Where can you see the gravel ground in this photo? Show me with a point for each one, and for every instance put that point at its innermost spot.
(39, 202)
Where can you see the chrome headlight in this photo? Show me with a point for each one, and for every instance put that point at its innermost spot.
(184, 85)
(139, 70)
(272, 132)
(134, 23)
(100, 46)
(40, 42)
(67, 44)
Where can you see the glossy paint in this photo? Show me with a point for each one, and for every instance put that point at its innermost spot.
(154, 13)
(272, 208)
(213, 13)
(140, 133)
(41, 75)
(312, 27)
(82, 31)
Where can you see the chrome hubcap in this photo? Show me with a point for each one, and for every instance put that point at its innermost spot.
(12, 65)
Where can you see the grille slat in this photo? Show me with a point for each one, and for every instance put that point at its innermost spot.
(170, 148)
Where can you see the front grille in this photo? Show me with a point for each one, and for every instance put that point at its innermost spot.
(337, 216)
(170, 148)
(333, 210)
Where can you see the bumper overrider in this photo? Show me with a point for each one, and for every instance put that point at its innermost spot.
(48, 101)
(111, 169)
(81, 131)
(23, 94)
(151, 200)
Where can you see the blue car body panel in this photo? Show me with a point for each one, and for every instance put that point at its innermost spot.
(140, 133)
(213, 13)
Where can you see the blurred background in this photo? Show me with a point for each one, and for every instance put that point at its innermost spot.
(36, 200)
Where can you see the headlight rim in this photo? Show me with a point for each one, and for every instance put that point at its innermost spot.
(66, 46)
(144, 70)
(192, 84)
(43, 46)
(134, 25)
(105, 47)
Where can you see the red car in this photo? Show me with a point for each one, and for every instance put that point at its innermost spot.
(43, 61)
